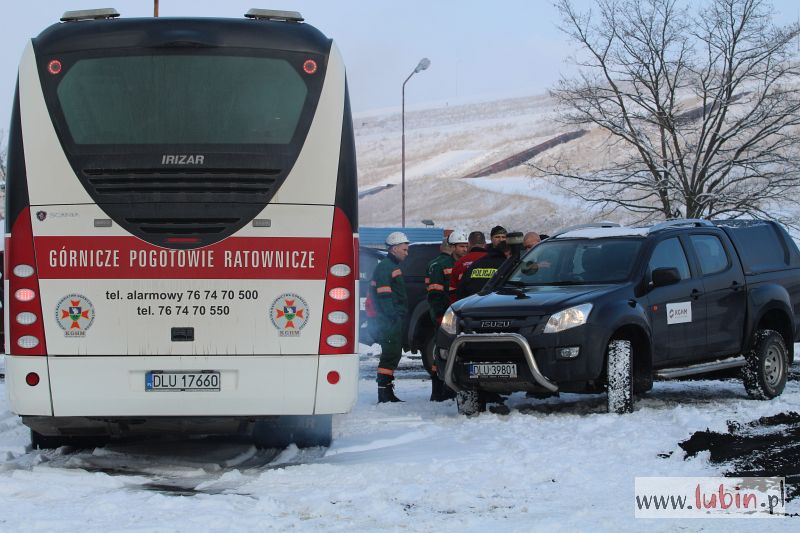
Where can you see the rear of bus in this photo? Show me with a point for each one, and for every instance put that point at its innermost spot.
(180, 227)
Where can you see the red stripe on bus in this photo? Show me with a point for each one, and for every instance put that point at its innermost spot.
(132, 258)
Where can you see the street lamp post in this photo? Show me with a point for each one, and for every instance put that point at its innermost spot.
(422, 65)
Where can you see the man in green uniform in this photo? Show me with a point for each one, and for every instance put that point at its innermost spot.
(437, 284)
(388, 291)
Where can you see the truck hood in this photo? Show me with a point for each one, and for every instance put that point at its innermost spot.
(537, 300)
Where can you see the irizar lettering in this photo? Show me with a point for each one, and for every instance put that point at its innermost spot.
(182, 159)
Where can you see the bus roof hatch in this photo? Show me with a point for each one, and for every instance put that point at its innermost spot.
(89, 14)
(272, 14)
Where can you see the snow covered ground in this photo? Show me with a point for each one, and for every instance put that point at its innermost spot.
(561, 464)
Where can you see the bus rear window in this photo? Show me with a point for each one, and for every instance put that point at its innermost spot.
(181, 99)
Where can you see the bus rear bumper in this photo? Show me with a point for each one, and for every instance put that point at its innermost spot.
(250, 386)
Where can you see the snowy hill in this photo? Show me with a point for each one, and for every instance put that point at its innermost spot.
(445, 144)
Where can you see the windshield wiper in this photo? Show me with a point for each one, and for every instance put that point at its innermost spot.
(561, 283)
(514, 287)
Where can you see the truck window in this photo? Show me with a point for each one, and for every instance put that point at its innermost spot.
(583, 261)
(710, 253)
(669, 254)
(761, 248)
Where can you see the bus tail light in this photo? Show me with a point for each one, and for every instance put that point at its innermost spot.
(338, 317)
(338, 330)
(24, 295)
(27, 342)
(339, 293)
(26, 335)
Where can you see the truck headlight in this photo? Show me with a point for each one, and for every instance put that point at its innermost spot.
(568, 318)
(450, 322)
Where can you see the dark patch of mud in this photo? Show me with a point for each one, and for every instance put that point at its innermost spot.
(769, 446)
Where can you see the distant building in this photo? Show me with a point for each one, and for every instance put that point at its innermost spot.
(376, 237)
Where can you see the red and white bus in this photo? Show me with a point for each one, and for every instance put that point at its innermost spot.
(181, 245)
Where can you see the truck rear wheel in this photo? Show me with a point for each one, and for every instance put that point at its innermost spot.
(470, 402)
(766, 366)
(619, 359)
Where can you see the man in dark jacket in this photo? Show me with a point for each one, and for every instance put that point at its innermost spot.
(437, 284)
(477, 249)
(481, 271)
(498, 235)
(388, 291)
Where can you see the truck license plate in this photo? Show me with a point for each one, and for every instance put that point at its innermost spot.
(492, 370)
(181, 381)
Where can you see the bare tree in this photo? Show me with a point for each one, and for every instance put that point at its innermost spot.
(701, 108)
(3, 154)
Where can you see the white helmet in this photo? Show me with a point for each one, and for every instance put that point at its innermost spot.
(458, 237)
(395, 238)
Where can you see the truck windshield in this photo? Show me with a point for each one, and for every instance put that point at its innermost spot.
(577, 262)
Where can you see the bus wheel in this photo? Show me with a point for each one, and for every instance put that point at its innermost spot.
(304, 431)
(47, 442)
(44, 442)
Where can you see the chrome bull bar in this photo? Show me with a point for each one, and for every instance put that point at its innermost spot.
(516, 338)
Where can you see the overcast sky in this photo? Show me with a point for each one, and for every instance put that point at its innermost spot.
(478, 49)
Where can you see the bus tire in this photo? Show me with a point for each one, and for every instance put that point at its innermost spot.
(303, 431)
(619, 360)
(47, 442)
(44, 442)
(766, 366)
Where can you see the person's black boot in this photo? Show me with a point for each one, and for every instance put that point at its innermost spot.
(386, 394)
(386, 389)
(440, 391)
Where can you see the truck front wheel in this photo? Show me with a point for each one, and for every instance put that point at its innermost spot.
(470, 402)
(427, 353)
(766, 366)
(619, 359)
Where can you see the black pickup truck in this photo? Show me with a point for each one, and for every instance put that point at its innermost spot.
(609, 308)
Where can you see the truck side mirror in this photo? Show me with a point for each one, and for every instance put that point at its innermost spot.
(665, 276)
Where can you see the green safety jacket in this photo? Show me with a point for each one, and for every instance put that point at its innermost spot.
(437, 283)
(388, 290)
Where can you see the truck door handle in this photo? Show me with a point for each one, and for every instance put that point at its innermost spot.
(735, 286)
(696, 294)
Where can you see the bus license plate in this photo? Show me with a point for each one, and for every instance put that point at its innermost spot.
(493, 370)
(181, 381)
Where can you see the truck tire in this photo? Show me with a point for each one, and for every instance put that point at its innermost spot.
(619, 359)
(766, 366)
(470, 402)
(427, 353)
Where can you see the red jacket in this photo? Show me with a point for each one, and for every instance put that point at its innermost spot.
(461, 265)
